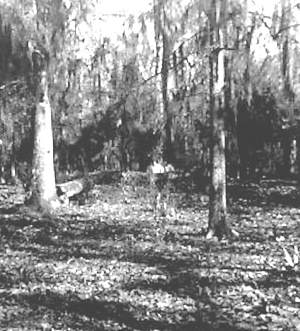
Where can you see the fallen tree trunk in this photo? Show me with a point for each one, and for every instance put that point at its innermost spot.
(73, 188)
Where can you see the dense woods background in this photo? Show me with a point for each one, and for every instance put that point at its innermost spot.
(149, 165)
(118, 101)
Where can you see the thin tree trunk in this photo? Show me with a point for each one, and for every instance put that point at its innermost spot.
(162, 39)
(217, 225)
(124, 134)
(246, 149)
(287, 83)
(13, 157)
(286, 62)
(164, 88)
(287, 148)
(2, 180)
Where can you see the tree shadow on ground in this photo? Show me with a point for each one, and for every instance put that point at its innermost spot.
(277, 192)
(108, 310)
(64, 239)
(280, 279)
(181, 267)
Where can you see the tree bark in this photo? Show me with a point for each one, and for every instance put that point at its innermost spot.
(286, 70)
(165, 99)
(162, 36)
(245, 143)
(2, 180)
(217, 224)
(43, 190)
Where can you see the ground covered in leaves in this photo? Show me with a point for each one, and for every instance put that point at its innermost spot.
(114, 263)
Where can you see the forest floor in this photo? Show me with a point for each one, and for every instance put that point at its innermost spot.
(114, 264)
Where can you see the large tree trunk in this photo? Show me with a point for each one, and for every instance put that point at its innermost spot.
(43, 190)
(217, 225)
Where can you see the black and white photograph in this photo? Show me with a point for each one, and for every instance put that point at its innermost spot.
(149, 165)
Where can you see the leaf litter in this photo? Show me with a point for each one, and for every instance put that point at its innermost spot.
(114, 264)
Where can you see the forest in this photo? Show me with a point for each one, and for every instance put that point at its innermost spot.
(150, 165)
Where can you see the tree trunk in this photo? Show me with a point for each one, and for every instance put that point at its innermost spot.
(124, 133)
(164, 88)
(43, 190)
(297, 161)
(162, 38)
(245, 141)
(13, 158)
(286, 61)
(287, 148)
(217, 225)
(2, 180)
(286, 70)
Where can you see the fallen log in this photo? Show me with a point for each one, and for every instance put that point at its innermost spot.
(73, 188)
